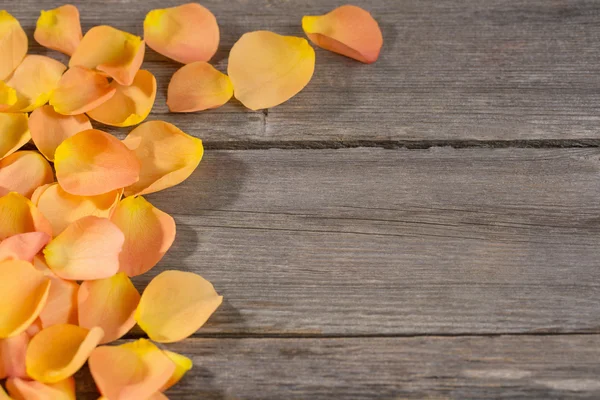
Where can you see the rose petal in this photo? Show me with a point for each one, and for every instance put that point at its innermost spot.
(19, 215)
(59, 29)
(61, 306)
(21, 389)
(108, 303)
(198, 86)
(347, 30)
(49, 128)
(13, 44)
(182, 366)
(15, 132)
(23, 246)
(149, 233)
(24, 293)
(23, 172)
(35, 327)
(63, 208)
(3, 395)
(267, 69)
(175, 305)
(12, 356)
(119, 54)
(88, 249)
(130, 105)
(158, 396)
(8, 97)
(93, 162)
(143, 370)
(168, 156)
(80, 90)
(59, 351)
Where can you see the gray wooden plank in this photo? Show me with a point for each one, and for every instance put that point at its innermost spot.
(506, 367)
(450, 70)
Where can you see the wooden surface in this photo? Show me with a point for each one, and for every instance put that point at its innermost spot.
(465, 266)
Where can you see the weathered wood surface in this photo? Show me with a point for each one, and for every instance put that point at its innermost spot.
(449, 70)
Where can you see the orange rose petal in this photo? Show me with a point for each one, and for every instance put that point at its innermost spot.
(142, 370)
(149, 233)
(63, 208)
(23, 172)
(119, 54)
(108, 303)
(88, 249)
(186, 33)
(21, 389)
(8, 97)
(80, 90)
(347, 30)
(19, 215)
(267, 69)
(168, 156)
(24, 292)
(49, 128)
(59, 29)
(130, 105)
(23, 246)
(93, 162)
(15, 132)
(61, 306)
(59, 351)
(3, 395)
(13, 44)
(175, 305)
(182, 366)
(158, 396)
(12, 356)
(198, 86)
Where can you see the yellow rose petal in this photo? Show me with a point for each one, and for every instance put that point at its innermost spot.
(13, 44)
(80, 90)
(32, 390)
(182, 366)
(19, 215)
(15, 132)
(59, 29)
(23, 172)
(198, 86)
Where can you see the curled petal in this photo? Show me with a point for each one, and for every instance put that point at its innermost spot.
(61, 306)
(63, 208)
(347, 30)
(267, 69)
(168, 156)
(108, 303)
(49, 128)
(80, 90)
(143, 370)
(21, 389)
(15, 132)
(130, 105)
(12, 356)
(175, 305)
(59, 29)
(59, 351)
(23, 246)
(88, 249)
(23, 172)
(19, 215)
(24, 292)
(149, 233)
(186, 33)
(198, 86)
(118, 54)
(13, 44)
(93, 162)
(182, 366)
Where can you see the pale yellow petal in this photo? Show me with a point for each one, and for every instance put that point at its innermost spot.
(15, 132)
(13, 44)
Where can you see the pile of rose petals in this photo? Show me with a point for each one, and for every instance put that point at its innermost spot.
(74, 227)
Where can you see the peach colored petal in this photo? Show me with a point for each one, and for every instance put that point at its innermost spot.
(93, 162)
(19, 215)
(59, 29)
(186, 33)
(23, 246)
(198, 86)
(3, 395)
(347, 30)
(15, 132)
(61, 306)
(268, 69)
(88, 249)
(24, 292)
(80, 90)
(49, 128)
(35, 327)
(108, 303)
(59, 351)
(175, 305)
(23, 172)
(63, 208)
(119, 54)
(182, 366)
(21, 389)
(130, 105)
(12, 356)
(142, 370)
(158, 396)
(168, 156)
(149, 233)
(13, 44)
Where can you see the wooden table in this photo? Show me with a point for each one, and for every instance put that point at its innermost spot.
(424, 227)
